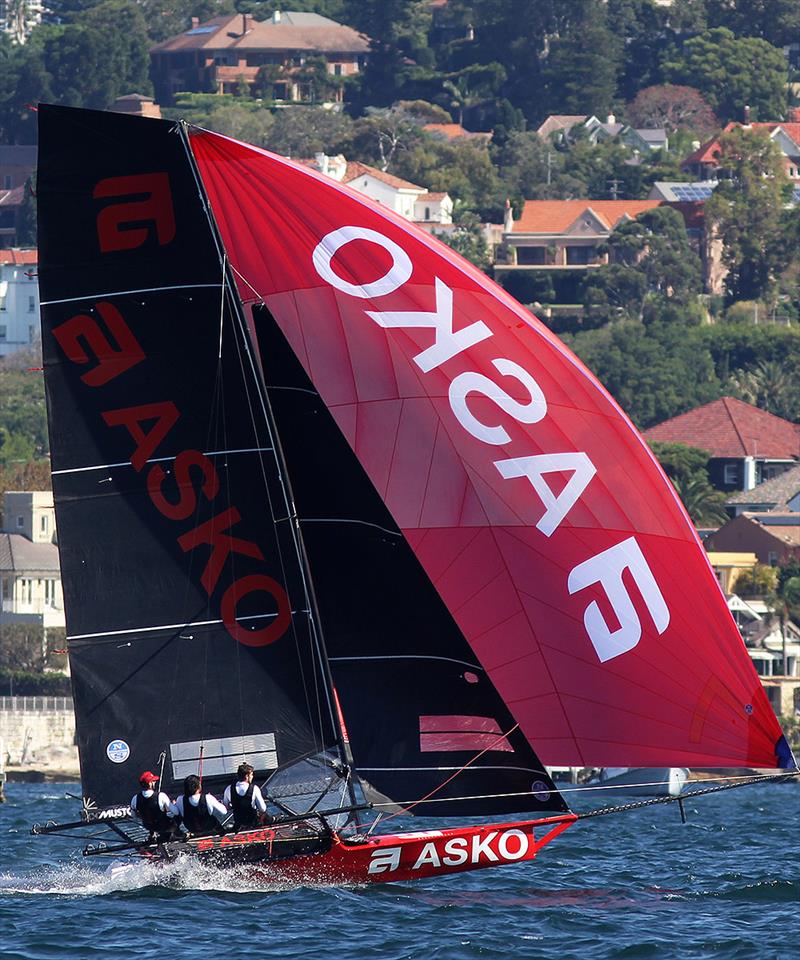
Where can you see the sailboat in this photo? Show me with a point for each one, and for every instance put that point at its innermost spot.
(331, 502)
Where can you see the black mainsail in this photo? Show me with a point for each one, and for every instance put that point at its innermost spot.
(191, 633)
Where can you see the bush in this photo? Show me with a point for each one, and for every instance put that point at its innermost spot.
(756, 582)
(19, 683)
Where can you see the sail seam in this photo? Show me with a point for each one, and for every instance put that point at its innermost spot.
(411, 656)
(126, 293)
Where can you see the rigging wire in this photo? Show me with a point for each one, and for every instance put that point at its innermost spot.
(429, 795)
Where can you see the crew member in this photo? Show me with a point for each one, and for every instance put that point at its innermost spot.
(245, 800)
(199, 811)
(153, 809)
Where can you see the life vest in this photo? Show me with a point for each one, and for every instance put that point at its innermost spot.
(152, 816)
(244, 816)
(198, 819)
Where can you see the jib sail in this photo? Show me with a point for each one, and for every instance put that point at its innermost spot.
(191, 631)
(538, 513)
(423, 717)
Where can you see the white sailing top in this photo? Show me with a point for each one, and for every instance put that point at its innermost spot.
(213, 806)
(258, 802)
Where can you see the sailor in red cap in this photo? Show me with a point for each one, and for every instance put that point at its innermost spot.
(152, 808)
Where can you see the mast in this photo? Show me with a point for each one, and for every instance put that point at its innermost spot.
(315, 620)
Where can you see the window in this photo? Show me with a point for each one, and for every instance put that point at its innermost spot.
(44, 523)
(577, 256)
(2, 303)
(337, 69)
(31, 333)
(530, 255)
(7, 182)
(50, 593)
(772, 558)
(25, 590)
(31, 304)
(3, 331)
(20, 522)
(427, 213)
(731, 473)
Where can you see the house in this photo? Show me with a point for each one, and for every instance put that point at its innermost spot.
(30, 574)
(772, 543)
(704, 162)
(137, 105)
(226, 51)
(728, 565)
(433, 211)
(780, 494)
(558, 126)
(17, 163)
(564, 235)
(19, 300)
(747, 445)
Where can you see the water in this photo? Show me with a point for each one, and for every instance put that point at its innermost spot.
(638, 885)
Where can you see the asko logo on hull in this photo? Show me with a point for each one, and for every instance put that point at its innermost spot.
(101, 341)
(479, 849)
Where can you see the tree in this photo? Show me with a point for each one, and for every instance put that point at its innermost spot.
(704, 504)
(759, 581)
(672, 107)
(468, 240)
(22, 647)
(581, 69)
(731, 73)
(776, 21)
(746, 213)
(783, 600)
(383, 133)
(304, 131)
(771, 385)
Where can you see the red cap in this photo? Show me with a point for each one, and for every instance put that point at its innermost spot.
(148, 777)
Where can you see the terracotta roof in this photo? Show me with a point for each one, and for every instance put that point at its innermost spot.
(294, 31)
(12, 197)
(777, 491)
(23, 258)
(791, 128)
(731, 428)
(556, 216)
(355, 169)
(433, 196)
(707, 153)
(454, 131)
(19, 554)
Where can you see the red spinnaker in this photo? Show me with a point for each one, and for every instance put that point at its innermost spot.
(535, 507)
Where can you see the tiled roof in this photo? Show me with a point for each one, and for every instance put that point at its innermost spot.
(731, 428)
(707, 153)
(454, 131)
(19, 554)
(307, 32)
(791, 128)
(23, 258)
(12, 197)
(778, 491)
(556, 216)
(560, 121)
(433, 196)
(355, 169)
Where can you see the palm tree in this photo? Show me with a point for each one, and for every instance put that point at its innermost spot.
(704, 504)
(769, 384)
(782, 602)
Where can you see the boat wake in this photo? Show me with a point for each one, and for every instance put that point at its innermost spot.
(80, 880)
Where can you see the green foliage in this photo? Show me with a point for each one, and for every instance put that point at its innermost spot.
(758, 581)
(746, 213)
(731, 73)
(468, 240)
(23, 423)
(680, 461)
(19, 683)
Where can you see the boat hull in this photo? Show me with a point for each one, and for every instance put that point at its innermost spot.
(270, 856)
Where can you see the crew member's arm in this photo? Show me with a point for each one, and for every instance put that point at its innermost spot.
(215, 807)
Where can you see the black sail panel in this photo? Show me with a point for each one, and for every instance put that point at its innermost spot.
(422, 716)
(189, 628)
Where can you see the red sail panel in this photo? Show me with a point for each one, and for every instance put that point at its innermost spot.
(533, 504)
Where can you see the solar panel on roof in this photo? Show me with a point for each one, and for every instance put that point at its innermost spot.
(796, 194)
(693, 191)
(195, 30)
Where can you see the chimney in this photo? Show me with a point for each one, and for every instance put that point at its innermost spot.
(276, 16)
(195, 22)
(794, 115)
(508, 218)
(611, 118)
(321, 160)
(747, 116)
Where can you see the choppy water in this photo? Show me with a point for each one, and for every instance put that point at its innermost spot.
(639, 885)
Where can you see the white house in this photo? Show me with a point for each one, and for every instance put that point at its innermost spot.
(431, 211)
(30, 573)
(19, 300)
(18, 18)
